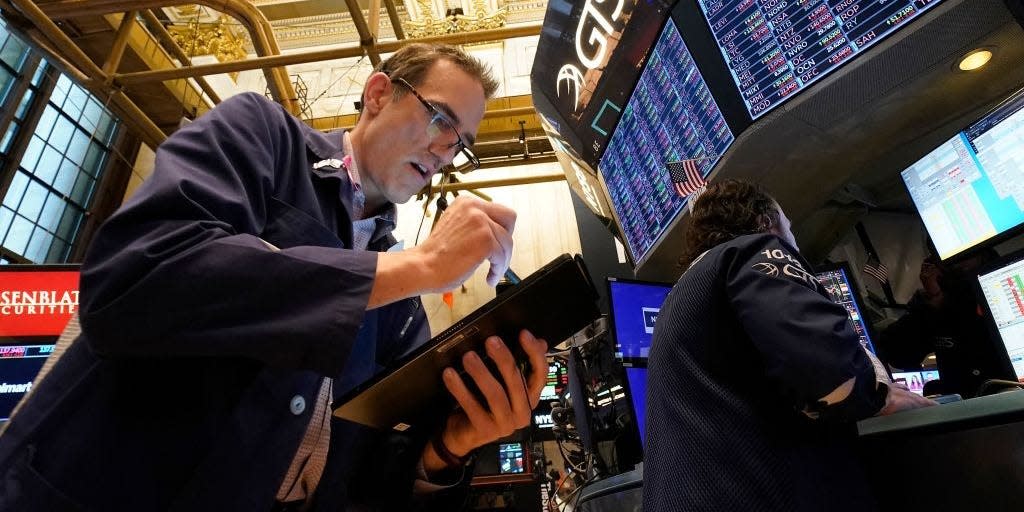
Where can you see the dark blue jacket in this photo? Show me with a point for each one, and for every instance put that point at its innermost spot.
(745, 346)
(203, 347)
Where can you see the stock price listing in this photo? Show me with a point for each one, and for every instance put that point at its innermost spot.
(670, 116)
(775, 48)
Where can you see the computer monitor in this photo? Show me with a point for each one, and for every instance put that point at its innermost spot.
(915, 381)
(670, 116)
(36, 302)
(776, 48)
(838, 282)
(636, 378)
(19, 365)
(970, 190)
(1003, 289)
(634, 311)
(576, 392)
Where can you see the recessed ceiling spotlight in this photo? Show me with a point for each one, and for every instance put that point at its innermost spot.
(975, 59)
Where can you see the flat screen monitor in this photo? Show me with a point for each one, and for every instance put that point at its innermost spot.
(19, 365)
(637, 378)
(36, 302)
(839, 286)
(775, 48)
(970, 189)
(670, 116)
(915, 381)
(1003, 289)
(634, 311)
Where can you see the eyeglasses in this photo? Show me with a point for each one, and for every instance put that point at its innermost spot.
(442, 126)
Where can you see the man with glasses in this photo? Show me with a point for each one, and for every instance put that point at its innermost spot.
(248, 283)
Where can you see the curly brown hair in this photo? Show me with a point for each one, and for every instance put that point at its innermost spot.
(726, 210)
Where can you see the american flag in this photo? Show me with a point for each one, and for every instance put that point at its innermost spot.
(874, 268)
(686, 177)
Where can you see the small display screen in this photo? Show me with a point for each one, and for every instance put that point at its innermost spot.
(775, 48)
(18, 368)
(558, 379)
(915, 381)
(839, 288)
(510, 458)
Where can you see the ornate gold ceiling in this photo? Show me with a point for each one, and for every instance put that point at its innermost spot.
(159, 63)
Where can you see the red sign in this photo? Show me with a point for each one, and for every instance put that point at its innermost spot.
(37, 302)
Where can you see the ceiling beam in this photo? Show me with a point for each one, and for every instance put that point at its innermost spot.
(479, 36)
(259, 28)
(506, 182)
(120, 43)
(396, 22)
(366, 39)
(374, 19)
(80, 67)
(157, 28)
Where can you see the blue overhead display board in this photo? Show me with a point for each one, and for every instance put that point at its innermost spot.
(775, 48)
(671, 116)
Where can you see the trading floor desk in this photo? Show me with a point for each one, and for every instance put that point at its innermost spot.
(961, 456)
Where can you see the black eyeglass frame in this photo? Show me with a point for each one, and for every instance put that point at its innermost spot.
(437, 114)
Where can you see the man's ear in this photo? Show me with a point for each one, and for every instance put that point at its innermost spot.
(376, 93)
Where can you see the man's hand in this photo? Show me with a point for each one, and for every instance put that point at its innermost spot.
(470, 232)
(509, 403)
(902, 399)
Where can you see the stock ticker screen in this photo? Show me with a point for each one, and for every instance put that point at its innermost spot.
(670, 116)
(971, 188)
(1004, 292)
(774, 48)
(839, 288)
(18, 368)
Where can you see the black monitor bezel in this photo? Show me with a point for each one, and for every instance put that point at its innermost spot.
(640, 362)
(995, 338)
(855, 287)
(629, 392)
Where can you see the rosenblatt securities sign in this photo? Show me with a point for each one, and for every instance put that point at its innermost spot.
(36, 300)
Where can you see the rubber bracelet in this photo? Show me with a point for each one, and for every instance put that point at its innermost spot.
(445, 454)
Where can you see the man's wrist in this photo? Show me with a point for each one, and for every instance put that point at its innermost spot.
(442, 453)
(399, 275)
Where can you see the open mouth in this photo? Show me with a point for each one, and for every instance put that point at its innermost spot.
(420, 169)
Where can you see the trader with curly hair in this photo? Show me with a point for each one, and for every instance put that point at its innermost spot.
(755, 377)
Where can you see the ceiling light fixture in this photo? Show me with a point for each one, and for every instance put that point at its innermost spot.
(975, 59)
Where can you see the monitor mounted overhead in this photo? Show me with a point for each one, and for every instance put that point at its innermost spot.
(856, 122)
(970, 190)
(776, 48)
(670, 116)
